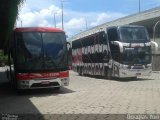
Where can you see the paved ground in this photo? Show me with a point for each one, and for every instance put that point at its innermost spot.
(88, 95)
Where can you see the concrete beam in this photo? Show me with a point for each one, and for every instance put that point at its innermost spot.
(151, 16)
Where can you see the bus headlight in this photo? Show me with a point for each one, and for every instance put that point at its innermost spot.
(64, 81)
(24, 82)
(149, 66)
(123, 66)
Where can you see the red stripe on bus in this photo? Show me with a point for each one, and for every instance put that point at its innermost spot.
(64, 74)
(38, 29)
(29, 76)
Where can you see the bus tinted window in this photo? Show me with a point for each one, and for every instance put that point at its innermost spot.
(112, 34)
(41, 51)
(133, 33)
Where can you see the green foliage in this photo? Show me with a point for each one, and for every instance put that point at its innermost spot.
(9, 13)
(3, 58)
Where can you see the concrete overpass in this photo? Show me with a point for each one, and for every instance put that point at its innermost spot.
(147, 18)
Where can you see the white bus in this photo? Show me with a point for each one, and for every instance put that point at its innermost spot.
(118, 51)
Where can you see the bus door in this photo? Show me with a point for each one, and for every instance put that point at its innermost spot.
(112, 34)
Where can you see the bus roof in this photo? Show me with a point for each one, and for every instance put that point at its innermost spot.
(38, 29)
(130, 26)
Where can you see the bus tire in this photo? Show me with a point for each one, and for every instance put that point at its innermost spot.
(20, 91)
(81, 71)
(57, 88)
(134, 78)
(7, 74)
(108, 73)
(13, 81)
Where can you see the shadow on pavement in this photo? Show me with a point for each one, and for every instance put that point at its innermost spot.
(117, 79)
(131, 79)
(21, 106)
(45, 92)
(6, 90)
(16, 106)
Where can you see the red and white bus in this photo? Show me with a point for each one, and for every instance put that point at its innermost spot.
(40, 58)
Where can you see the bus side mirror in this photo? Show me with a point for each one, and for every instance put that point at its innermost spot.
(119, 44)
(69, 49)
(154, 47)
(68, 45)
(69, 55)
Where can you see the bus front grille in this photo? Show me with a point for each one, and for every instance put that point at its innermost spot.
(52, 84)
(138, 67)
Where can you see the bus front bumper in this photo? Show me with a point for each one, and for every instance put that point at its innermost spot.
(124, 73)
(45, 83)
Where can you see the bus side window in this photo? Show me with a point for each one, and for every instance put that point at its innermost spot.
(102, 38)
(112, 34)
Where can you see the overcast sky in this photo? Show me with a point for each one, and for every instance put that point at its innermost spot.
(78, 14)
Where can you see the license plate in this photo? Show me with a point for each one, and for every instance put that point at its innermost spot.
(45, 82)
(138, 73)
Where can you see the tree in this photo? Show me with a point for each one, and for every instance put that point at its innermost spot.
(3, 59)
(8, 14)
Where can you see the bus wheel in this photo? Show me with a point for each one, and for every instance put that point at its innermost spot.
(134, 78)
(13, 81)
(7, 74)
(81, 71)
(57, 88)
(108, 73)
(20, 91)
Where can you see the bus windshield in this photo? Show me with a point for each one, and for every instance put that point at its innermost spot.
(41, 51)
(139, 55)
(133, 33)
